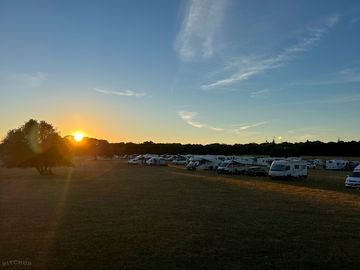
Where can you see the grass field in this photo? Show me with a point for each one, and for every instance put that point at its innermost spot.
(109, 215)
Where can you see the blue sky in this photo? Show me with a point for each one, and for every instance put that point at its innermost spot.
(198, 71)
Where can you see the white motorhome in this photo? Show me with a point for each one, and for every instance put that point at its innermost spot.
(230, 167)
(179, 161)
(246, 160)
(264, 161)
(335, 164)
(157, 161)
(353, 180)
(203, 162)
(137, 160)
(292, 169)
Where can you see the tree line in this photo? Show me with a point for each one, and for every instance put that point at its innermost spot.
(308, 148)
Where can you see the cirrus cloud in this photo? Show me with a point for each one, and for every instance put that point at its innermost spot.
(126, 93)
(190, 119)
(201, 22)
(245, 68)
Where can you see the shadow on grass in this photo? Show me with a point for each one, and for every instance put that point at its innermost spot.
(304, 190)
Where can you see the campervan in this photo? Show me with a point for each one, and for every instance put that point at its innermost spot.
(179, 160)
(137, 160)
(293, 169)
(203, 162)
(157, 161)
(335, 164)
(246, 160)
(264, 161)
(230, 167)
(353, 180)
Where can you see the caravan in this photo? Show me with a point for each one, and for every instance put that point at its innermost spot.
(292, 169)
(335, 164)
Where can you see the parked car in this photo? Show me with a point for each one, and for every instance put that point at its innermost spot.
(256, 171)
(157, 161)
(137, 160)
(351, 165)
(179, 161)
(353, 180)
(311, 164)
(231, 167)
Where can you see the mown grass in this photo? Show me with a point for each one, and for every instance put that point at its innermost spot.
(109, 215)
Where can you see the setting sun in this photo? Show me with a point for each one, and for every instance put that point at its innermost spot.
(78, 136)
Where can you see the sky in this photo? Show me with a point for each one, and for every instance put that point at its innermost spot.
(188, 71)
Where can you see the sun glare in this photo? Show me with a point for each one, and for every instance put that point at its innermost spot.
(78, 136)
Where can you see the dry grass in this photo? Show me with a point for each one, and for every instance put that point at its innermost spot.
(108, 215)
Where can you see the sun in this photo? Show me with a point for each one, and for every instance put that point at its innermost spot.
(79, 136)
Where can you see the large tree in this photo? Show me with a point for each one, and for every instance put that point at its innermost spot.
(37, 145)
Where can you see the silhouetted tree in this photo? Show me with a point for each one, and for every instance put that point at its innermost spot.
(91, 147)
(35, 144)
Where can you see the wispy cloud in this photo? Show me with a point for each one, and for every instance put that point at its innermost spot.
(126, 93)
(33, 79)
(354, 20)
(347, 75)
(217, 129)
(200, 24)
(263, 93)
(242, 128)
(190, 119)
(246, 67)
(309, 133)
(23, 80)
(338, 99)
(310, 129)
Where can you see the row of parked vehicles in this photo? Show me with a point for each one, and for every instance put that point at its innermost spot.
(282, 168)
(148, 160)
(273, 167)
(290, 168)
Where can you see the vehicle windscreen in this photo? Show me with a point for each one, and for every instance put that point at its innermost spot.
(223, 164)
(277, 167)
(355, 174)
